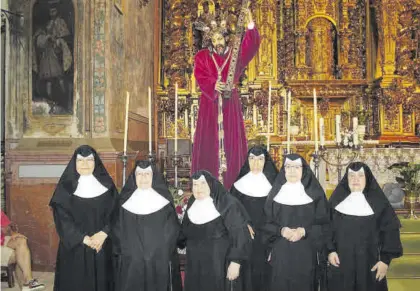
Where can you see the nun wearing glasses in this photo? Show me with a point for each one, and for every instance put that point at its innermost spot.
(363, 235)
(83, 206)
(296, 210)
(145, 233)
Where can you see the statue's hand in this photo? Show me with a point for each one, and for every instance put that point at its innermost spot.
(220, 87)
(250, 19)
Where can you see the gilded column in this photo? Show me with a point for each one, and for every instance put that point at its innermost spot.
(266, 61)
(389, 20)
(176, 57)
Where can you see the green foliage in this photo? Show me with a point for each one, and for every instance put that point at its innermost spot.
(408, 177)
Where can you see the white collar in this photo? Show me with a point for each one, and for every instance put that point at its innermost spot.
(145, 201)
(202, 211)
(293, 194)
(355, 204)
(89, 187)
(254, 185)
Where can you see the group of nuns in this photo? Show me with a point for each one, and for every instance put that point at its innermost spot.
(273, 231)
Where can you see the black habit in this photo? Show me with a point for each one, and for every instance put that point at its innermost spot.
(254, 206)
(78, 266)
(294, 264)
(145, 244)
(361, 240)
(213, 245)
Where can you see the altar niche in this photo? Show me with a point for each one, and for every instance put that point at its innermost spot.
(52, 57)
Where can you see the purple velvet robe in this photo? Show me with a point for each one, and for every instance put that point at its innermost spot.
(206, 143)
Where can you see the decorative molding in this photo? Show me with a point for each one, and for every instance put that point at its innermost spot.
(99, 70)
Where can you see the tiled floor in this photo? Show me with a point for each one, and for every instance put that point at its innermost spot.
(46, 278)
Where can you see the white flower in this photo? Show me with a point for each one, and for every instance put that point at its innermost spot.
(180, 192)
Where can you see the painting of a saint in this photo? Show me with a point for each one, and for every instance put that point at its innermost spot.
(52, 57)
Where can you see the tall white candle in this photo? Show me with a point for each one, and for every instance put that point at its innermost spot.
(269, 117)
(322, 131)
(192, 124)
(315, 121)
(355, 133)
(150, 121)
(127, 104)
(338, 129)
(289, 108)
(176, 118)
(254, 114)
(285, 102)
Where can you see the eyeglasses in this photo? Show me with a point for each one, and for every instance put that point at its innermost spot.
(293, 167)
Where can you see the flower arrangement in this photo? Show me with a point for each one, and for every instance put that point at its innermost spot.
(361, 114)
(347, 138)
(180, 201)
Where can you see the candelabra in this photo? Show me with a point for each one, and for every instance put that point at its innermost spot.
(152, 158)
(176, 162)
(316, 157)
(323, 154)
(124, 158)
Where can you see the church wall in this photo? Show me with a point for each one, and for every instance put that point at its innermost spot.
(112, 53)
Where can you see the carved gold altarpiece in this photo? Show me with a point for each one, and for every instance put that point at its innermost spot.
(361, 56)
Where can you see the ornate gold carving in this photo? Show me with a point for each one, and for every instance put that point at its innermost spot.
(408, 126)
(176, 63)
(183, 130)
(311, 44)
(54, 128)
(266, 60)
(320, 5)
(405, 43)
(320, 42)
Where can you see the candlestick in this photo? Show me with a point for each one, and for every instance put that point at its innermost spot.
(285, 103)
(127, 103)
(315, 121)
(150, 121)
(269, 116)
(176, 118)
(355, 133)
(254, 114)
(322, 132)
(289, 108)
(337, 129)
(193, 84)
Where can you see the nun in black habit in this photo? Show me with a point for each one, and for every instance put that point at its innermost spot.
(251, 188)
(296, 209)
(217, 238)
(145, 233)
(363, 236)
(83, 205)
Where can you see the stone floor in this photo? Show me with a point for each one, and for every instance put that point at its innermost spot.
(46, 278)
(393, 284)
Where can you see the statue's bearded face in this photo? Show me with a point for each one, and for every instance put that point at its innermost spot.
(219, 43)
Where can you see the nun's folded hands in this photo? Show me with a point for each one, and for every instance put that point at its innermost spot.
(233, 271)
